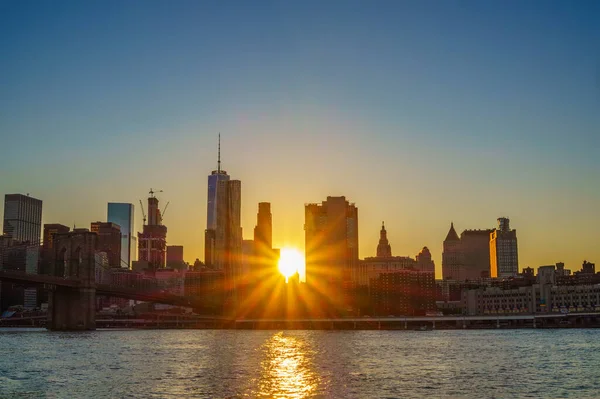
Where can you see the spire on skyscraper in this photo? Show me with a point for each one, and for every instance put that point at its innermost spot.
(219, 156)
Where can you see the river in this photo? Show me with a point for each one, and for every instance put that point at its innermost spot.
(297, 364)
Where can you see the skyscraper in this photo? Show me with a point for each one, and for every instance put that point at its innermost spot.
(211, 212)
(265, 259)
(263, 232)
(452, 257)
(228, 233)
(331, 247)
(23, 218)
(504, 257)
(475, 247)
(123, 215)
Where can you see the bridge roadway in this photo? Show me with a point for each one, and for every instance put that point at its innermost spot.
(51, 282)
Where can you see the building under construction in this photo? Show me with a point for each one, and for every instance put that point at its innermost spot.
(152, 240)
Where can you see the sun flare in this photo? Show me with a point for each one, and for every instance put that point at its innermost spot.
(290, 262)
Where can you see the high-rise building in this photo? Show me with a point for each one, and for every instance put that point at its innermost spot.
(504, 257)
(228, 232)
(263, 232)
(331, 248)
(153, 239)
(475, 248)
(123, 215)
(452, 257)
(265, 260)
(175, 257)
(23, 218)
(384, 249)
(211, 212)
(108, 241)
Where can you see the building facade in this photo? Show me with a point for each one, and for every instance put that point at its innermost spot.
(228, 235)
(123, 214)
(504, 257)
(23, 218)
(475, 248)
(452, 256)
(331, 240)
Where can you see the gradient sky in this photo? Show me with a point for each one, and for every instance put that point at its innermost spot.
(421, 113)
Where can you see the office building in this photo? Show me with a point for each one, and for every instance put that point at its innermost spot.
(228, 232)
(123, 214)
(452, 256)
(331, 248)
(424, 262)
(265, 260)
(108, 241)
(23, 218)
(402, 293)
(175, 257)
(475, 248)
(23, 257)
(214, 178)
(504, 257)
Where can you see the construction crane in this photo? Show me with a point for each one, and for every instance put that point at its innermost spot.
(162, 214)
(151, 192)
(143, 213)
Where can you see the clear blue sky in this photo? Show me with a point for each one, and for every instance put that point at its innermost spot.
(421, 112)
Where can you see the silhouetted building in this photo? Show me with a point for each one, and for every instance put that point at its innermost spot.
(22, 218)
(588, 268)
(23, 257)
(384, 249)
(122, 214)
(175, 257)
(153, 239)
(452, 256)
(263, 232)
(108, 241)
(211, 213)
(504, 258)
(265, 259)
(331, 248)
(228, 240)
(424, 262)
(475, 248)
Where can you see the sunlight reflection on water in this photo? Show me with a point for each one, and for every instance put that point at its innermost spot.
(287, 368)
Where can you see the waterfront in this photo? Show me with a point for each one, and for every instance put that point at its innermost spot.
(295, 364)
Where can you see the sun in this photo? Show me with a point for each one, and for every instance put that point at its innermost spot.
(290, 262)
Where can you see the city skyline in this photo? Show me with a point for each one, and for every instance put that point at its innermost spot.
(420, 120)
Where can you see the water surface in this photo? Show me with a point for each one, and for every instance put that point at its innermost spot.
(298, 364)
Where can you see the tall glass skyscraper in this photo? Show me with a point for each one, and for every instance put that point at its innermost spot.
(23, 218)
(211, 210)
(123, 215)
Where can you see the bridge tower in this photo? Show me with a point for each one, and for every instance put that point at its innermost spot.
(73, 308)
